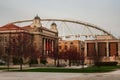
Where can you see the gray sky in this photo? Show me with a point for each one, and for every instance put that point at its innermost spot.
(104, 13)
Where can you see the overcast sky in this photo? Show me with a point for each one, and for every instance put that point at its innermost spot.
(104, 13)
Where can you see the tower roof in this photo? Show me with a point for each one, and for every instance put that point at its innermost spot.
(37, 17)
(53, 24)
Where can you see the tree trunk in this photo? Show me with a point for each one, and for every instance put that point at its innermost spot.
(21, 63)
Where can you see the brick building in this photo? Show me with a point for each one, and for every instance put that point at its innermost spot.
(105, 50)
(71, 52)
(29, 41)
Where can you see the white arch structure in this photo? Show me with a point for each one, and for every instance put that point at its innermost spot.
(71, 21)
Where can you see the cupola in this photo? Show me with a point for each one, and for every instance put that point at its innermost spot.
(36, 22)
(53, 27)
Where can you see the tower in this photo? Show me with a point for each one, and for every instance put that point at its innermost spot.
(53, 27)
(36, 22)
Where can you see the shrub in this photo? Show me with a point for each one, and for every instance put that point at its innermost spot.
(33, 61)
(106, 63)
(43, 61)
(16, 61)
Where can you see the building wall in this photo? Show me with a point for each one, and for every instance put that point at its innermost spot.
(103, 37)
(65, 45)
(102, 49)
(105, 50)
(12, 43)
(113, 48)
(70, 52)
(38, 42)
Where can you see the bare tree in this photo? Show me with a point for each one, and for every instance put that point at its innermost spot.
(19, 46)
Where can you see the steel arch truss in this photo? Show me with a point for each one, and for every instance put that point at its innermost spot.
(73, 21)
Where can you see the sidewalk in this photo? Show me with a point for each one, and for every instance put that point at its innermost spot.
(115, 75)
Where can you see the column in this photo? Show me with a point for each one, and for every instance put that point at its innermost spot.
(52, 46)
(107, 46)
(85, 53)
(48, 46)
(96, 48)
(119, 48)
(44, 46)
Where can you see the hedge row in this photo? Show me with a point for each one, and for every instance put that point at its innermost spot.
(106, 63)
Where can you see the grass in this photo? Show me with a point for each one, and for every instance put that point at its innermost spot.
(5, 68)
(92, 69)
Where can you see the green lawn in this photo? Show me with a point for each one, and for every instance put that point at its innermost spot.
(66, 70)
(2, 68)
(5, 68)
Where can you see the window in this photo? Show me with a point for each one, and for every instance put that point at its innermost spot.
(60, 47)
(5, 38)
(66, 47)
(71, 43)
(0, 38)
(13, 40)
(65, 42)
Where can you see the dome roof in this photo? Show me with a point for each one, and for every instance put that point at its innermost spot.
(37, 17)
(53, 24)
